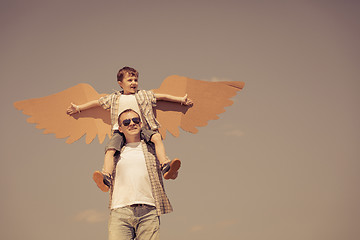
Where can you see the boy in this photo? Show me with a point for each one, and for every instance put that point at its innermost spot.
(141, 101)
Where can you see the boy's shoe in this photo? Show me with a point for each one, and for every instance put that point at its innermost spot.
(170, 169)
(102, 181)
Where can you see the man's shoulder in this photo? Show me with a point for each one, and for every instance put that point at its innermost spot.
(149, 145)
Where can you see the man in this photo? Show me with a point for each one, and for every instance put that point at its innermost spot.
(137, 196)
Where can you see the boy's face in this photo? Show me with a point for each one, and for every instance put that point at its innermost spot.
(129, 84)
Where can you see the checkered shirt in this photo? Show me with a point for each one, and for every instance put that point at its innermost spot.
(146, 101)
(162, 202)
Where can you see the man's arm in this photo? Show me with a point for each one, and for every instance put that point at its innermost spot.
(170, 98)
(72, 109)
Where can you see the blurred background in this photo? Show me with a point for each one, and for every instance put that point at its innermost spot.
(281, 163)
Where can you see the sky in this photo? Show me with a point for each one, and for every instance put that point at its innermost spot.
(281, 163)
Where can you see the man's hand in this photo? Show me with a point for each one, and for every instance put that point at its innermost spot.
(72, 109)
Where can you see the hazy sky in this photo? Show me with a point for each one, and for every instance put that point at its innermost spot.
(281, 163)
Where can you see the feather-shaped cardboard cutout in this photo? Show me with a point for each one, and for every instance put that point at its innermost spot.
(209, 98)
(49, 113)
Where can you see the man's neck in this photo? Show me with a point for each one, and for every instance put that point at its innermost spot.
(132, 139)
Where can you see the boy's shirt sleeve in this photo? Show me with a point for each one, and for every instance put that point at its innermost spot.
(105, 101)
(151, 96)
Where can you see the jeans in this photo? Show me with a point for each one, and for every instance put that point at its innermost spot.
(140, 222)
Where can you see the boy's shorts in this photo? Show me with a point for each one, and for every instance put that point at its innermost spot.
(117, 140)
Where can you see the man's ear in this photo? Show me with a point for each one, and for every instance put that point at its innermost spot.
(120, 130)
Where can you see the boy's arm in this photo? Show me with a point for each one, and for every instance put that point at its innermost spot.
(170, 98)
(72, 109)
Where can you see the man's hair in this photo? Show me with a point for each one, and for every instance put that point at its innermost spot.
(127, 70)
(125, 111)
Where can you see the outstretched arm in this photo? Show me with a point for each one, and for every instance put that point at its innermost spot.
(170, 98)
(72, 109)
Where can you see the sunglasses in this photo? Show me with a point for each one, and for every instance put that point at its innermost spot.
(127, 122)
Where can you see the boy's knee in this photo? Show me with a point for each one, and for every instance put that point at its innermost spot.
(155, 138)
(110, 151)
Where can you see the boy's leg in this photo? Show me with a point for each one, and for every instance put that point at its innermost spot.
(159, 147)
(169, 168)
(103, 179)
(108, 167)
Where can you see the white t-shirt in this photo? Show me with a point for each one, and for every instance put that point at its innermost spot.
(132, 182)
(126, 102)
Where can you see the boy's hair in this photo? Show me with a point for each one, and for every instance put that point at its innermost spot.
(126, 70)
(125, 111)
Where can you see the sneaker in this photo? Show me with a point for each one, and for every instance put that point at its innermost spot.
(102, 181)
(170, 170)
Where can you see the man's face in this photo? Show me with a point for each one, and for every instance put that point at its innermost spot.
(129, 84)
(133, 128)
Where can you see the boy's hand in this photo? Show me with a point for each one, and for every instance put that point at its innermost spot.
(186, 101)
(72, 109)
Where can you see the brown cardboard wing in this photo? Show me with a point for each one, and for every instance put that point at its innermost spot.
(210, 99)
(49, 113)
